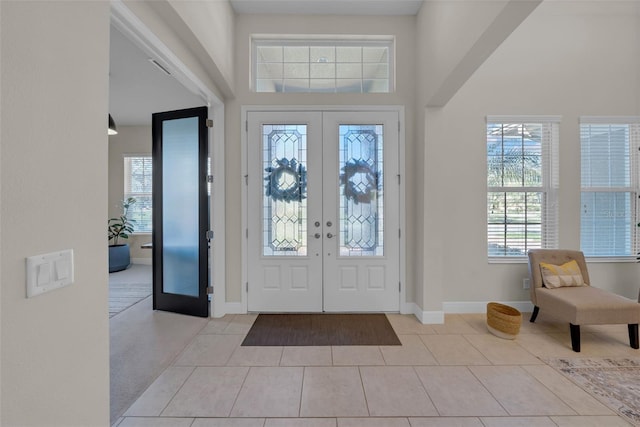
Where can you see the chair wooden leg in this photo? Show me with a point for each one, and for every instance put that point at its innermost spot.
(575, 337)
(536, 309)
(633, 335)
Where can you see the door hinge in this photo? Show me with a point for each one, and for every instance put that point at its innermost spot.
(399, 286)
(399, 233)
(247, 287)
(246, 180)
(210, 290)
(246, 125)
(209, 235)
(209, 123)
(210, 178)
(246, 233)
(399, 179)
(398, 126)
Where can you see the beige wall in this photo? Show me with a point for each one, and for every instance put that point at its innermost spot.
(568, 59)
(129, 140)
(53, 192)
(403, 28)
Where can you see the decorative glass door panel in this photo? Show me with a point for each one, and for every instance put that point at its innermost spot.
(361, 184)
(322, 219)
(284, 200)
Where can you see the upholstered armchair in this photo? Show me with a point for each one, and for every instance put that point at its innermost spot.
(560, 287)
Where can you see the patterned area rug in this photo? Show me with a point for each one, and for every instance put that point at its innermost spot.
(615, 382)
(128, 287)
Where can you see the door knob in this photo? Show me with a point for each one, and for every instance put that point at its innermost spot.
(317, 223)
(329, 223)
(329, 235)
(317, 235)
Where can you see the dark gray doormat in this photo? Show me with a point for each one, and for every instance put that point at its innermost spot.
(321, 329)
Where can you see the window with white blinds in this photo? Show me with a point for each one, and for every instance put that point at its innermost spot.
(609, 195)
(138, 184)
(522, 183)
(303, 64)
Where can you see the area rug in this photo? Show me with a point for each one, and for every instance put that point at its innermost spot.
(321, 330)
(128, 287)
(615, 382)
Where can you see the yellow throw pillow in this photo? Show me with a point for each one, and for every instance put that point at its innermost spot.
(557, 276)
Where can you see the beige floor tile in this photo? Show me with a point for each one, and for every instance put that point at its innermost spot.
(519, 392)
(157, 396)
(333, 392)
(373, 422)
(596, 345)
(595, 421)
(411, 352)
(270, 392)
(228, 422)
(408, 324)
(453, 350)
(517, 422)
(541, 325)
(354, 355)
(306, 356)
(478, 321)
(240, 324)
(502, 352)
(578, 399)
(455, 391)
(544, 345)
(209, 350)
(301, 422)
(209, 392)
(255, 356)
(395, 391)
(445, 422)
(217, 326)
(155, 422)
(454, 324)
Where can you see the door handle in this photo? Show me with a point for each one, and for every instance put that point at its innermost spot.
(317, 235)
(329, 235)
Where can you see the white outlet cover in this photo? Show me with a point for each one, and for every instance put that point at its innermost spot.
(50, 271)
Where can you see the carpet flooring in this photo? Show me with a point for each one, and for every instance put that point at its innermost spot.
(615, 382)
(321, 330)
(128, 287)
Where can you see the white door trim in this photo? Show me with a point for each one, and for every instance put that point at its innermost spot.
(241, 307)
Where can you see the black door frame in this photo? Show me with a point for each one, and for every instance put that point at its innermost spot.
(194, 306)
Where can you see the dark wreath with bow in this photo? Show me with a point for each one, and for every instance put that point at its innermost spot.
(361, 192)
(278, 188)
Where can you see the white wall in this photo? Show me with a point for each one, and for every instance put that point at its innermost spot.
(401, 27)
(568, 59)
(129, 140)
(53, 193)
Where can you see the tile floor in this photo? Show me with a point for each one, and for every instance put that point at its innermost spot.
(455, 374)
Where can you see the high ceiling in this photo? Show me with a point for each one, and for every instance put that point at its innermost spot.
(328, 7)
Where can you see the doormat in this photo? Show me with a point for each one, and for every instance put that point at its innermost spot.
(615, 382)
(321, 330)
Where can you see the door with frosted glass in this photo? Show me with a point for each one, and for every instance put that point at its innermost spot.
(323, 202)
(180, 211)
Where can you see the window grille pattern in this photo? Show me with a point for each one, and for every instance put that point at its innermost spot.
(284, 199)
(521, 207)
(361, 196)
(138, 173)
(608, 219)
(355, 66)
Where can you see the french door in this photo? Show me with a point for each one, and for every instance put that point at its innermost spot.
(323, 211)
(180, 211)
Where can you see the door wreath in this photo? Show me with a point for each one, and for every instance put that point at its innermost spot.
(356, 191)
(279, 187)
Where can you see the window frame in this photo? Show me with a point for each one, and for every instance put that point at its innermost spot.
(299, 40)
(633, 189)
(126, 193)
(549, 181)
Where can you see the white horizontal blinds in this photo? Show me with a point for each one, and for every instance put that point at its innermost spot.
(138, 184)
(609, 181)
(302, 65)
(522, 182)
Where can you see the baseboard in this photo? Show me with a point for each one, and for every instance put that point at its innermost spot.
(424, 317)
(143, 261)
(461, 307)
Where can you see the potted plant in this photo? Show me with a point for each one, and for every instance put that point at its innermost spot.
(120, 228)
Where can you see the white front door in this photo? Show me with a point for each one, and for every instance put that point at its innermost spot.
(323, 211)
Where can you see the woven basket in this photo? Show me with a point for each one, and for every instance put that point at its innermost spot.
(503, 321)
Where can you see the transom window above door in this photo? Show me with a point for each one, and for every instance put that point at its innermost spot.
(340, 64)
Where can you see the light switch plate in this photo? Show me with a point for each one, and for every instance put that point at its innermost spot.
(50, 271)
